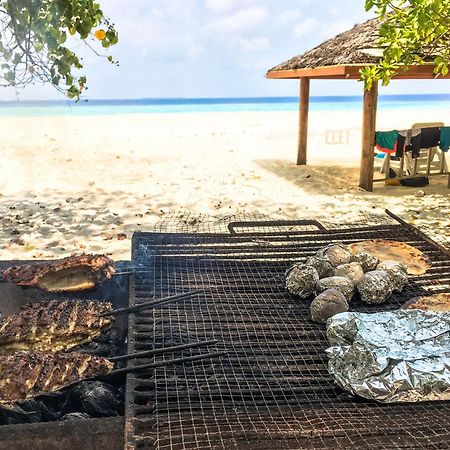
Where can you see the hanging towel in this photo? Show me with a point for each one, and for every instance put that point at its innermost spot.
(430, 137)
(386, 141)
(413, 142)
(403, 140)
(444, 144)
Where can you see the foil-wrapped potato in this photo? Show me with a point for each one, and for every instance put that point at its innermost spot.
(342, 284)
(337, 254)
(327, 304)
(301, 280)
(375, 286)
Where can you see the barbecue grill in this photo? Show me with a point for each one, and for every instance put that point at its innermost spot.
(272, 389)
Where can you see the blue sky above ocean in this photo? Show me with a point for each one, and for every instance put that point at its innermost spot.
(217, 48)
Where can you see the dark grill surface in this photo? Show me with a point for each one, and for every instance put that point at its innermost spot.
(272, 390)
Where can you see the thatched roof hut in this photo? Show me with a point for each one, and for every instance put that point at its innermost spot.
(342, 57)
(356, 46)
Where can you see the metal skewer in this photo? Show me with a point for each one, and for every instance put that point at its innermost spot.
(131, 272)
(150, 304)
(160, 351)
(169, 362)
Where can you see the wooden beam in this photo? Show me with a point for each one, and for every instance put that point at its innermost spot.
(351, 72)
(319, 72)
(303, 122)
(368, 137)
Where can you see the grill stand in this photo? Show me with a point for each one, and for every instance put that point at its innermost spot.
(273, 389)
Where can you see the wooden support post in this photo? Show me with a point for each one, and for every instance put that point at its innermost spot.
(368, 138)
(303, 122)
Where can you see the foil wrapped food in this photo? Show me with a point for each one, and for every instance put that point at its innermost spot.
(396, 356)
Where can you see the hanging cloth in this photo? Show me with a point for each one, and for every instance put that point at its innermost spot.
(403, 140)
(430, 137)
(386, 141)
(444, 144)
(414, 143)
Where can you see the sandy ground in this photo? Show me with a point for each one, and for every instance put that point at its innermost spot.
(72, 184)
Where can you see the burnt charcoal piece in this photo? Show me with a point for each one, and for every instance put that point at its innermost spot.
(398, 273)
(71, 274)
(337, 254)
(30, 411)
(322, 265)
(368, 262)
(301, 280)
(342, 284)
(375, 286)
(327, 304)
(353, 271)
(98, 399)
(76, 416)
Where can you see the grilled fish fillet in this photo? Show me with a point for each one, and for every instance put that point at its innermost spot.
(436, 302)
(416, 261)
(26, 375)
(53, 325)
(71, 274)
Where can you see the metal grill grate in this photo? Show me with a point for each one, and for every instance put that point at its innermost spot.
(272, 390)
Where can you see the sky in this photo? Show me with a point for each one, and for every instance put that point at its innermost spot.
(216, 48)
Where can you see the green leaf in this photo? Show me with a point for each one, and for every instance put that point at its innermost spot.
(37, 31)
(9, 76)
(17, 58)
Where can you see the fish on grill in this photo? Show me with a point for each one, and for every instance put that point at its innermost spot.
(53, 325)
(26, 375)
(417, 262)
(71, 274)
(436, 302)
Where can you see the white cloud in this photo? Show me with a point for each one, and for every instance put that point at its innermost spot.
(252, 45)
(307, 26)
(287, 17)
(220, 6)
(242, 20)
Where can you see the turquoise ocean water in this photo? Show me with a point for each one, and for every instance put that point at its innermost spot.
(190, 105)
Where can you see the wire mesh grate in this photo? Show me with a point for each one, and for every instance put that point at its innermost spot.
(272, 389)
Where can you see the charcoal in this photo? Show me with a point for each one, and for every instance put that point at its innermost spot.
(337, 254)
(96, 398)
(76, 416)
(54, 402)
(301, 280)
(342, 284)
(353, 271)
(322, 265)
(29, 411)
(375, 286)
(368, 262)
(327, 304)
(398, 273)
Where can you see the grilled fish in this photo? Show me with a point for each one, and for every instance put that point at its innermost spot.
(25, 375)
(53, 325)
(71, 274)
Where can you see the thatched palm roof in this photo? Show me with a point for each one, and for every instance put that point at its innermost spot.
(356, 46)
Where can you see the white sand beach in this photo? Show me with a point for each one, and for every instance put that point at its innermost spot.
(73, 184)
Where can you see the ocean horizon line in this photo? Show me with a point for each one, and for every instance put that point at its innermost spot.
(102, 107)
(221, 100)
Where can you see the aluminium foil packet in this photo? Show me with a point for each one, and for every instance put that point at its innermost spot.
(396, 356)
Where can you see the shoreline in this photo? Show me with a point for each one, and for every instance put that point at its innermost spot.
(74, 184)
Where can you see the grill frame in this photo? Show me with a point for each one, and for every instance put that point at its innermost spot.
(287, 412)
